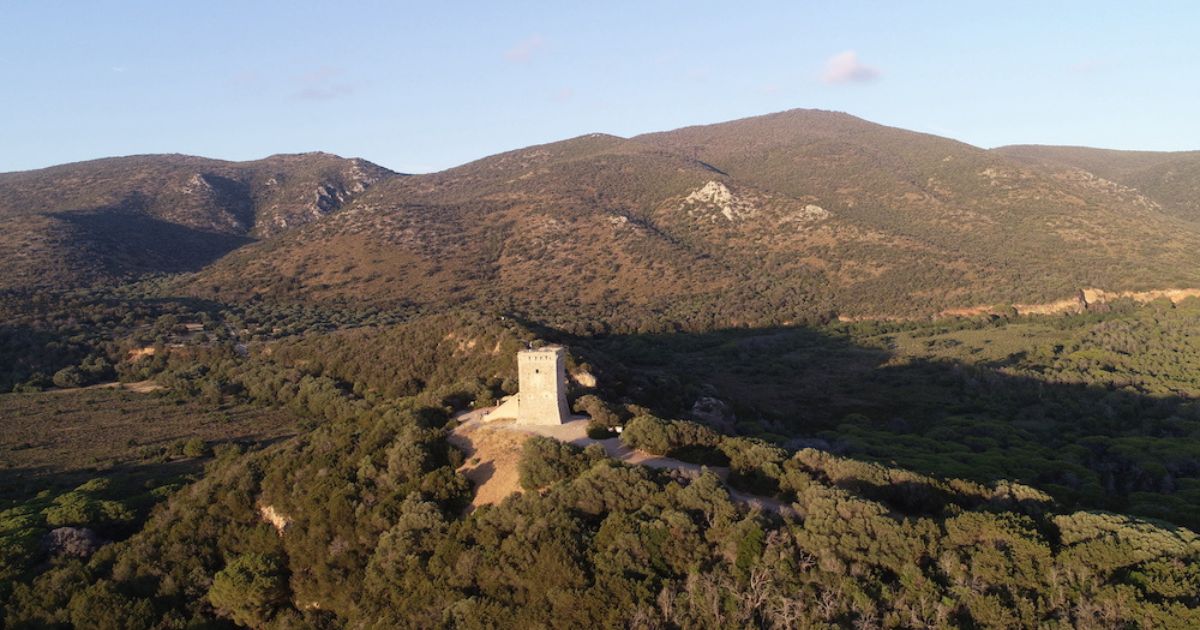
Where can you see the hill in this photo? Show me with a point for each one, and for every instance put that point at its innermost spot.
(746, 301)
(116, 218)
(794, 216)
(359, 521)
(1171, 179)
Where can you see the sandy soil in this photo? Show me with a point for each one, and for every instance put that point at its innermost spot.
(494, 451)
(142, 387)
(492, 458)
(139, 387)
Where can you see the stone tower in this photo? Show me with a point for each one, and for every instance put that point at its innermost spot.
(543, 383)
(542, 398)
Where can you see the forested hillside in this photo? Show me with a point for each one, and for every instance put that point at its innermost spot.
(863, 378)
(359, 521)
(365, 518)
(1169, 178)
(792, 217)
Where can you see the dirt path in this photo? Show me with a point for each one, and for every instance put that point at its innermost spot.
(1073, 304)
(494, 451)
(139, 387)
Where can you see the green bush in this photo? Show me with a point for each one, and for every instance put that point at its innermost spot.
(69, 377)
(103, 607)
(81, 507)
(196, 447)
(250, 589)
(545, 461)
(680, 439)
(598, 431)
(601, 413)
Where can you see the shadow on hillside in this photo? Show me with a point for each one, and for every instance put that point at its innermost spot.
(1087, 445)
(26, 482)
(129, 242)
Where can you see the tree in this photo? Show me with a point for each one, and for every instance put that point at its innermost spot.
(103, 607)
(69, 377)
(250, 589)
(546, 460)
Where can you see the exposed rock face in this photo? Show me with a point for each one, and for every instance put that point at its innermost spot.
(713, 412)
(1084, 300)
(812, 212)
(715, 201)
(716, 198)
(277, 520)
(1095, 296)
(79, 542)
(289, 200)
(226, 204)
(584, 378)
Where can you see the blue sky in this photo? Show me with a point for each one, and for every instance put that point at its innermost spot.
(424, 86)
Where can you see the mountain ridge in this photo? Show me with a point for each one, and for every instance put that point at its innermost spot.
(117, 218)
(834, 215)
(790, 216)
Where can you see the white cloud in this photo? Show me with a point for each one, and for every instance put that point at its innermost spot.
(524, 50)
(845, 67)
(324, 83)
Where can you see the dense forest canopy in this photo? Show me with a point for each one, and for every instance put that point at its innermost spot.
(1012, 455)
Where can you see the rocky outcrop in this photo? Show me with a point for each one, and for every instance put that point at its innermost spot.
(583, 378)
(78, 542)
(713, 412)
(715, 198)
(1082, 301)
(275, 518)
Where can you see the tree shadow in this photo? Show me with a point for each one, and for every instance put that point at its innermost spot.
(26, 482)
(127, 242)
(1092, 446)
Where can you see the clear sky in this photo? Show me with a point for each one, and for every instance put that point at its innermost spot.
(424, 86)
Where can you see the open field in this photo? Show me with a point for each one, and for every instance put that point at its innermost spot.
(65, 436)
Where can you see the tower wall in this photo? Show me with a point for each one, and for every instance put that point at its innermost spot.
(543, 383)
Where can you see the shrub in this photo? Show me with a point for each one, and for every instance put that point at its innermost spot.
(598, 431)
(754, 465)
(601, 413)
(545, 461)
(649, 434)
(249, 589)
(81, 507)
(684, 440)
(196, 447)
(69, 377)
(101, 605)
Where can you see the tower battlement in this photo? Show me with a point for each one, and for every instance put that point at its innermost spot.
(542, 397)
